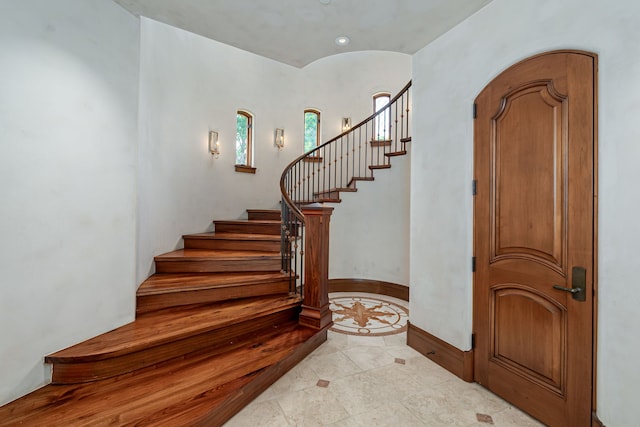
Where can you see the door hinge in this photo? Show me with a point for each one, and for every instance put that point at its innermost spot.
(475, 111)
(473, 341)
(474, 187)
(473, 264)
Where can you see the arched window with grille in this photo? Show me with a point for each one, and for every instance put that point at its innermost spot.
(311, 129)
(244, 138)
(382, 123)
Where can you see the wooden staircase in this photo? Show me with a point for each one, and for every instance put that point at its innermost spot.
(214, 327)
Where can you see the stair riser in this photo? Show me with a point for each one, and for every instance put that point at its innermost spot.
(148, 303)
(248, 228)
(81, 372)
(263, 215)
(232, 245)
(217, 265)
(327, 195)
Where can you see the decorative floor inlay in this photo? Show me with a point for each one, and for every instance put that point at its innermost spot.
(370, 316)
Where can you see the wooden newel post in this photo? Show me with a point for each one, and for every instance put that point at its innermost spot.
(315, 309)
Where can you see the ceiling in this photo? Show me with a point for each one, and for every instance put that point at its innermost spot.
(298, 32)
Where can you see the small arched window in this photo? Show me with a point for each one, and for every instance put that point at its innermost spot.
(311, 129)
(382, 123)
(244, 138)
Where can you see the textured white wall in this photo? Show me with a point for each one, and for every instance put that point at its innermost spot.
(370, 228)
(188, 85)
(448, 74)
(68, 107)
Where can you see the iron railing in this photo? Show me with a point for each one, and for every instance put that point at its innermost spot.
(321, 174)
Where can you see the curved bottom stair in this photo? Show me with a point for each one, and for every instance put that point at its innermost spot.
(214, 328)
(199, 390)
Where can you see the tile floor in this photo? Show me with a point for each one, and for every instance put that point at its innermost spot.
(375, 381)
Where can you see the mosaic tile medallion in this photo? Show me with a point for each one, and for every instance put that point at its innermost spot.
(367, 316)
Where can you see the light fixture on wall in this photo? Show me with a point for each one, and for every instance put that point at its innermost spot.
(279, 138)
(214, 144)
(346, 124)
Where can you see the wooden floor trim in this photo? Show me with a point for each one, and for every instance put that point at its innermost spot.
(371, 286)
(454, 360)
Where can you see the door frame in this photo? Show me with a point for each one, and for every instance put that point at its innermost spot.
(595, 421)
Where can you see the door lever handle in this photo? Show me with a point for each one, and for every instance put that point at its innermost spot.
(578, 284)
(562, 288)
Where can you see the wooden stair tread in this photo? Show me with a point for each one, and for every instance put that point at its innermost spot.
(176, 393)
(247, 221)
(336, 190)
(380, 142)
(162, 283)
(379, 166)
(233, 236)
(202, 254)
(352, 181)
(253, 226)
(317, 200)
(407, 139)
(396, 153)
(312, 159)
(169, 325)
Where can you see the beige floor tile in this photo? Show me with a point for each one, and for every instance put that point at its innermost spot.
(402, 351)
(513, 417)
(335, 342)
(454, 402)
(472, 398)
(395, 339)
(369, 357)
(436, 409)
(259, 414)
(357, 340)
(314, 406)
(298, 378)
(427, 373)
(332, 366)
(372, 389)
(391, 415)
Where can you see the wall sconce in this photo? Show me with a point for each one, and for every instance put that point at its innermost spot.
(346, 124)
(214, 144)
(279, 139)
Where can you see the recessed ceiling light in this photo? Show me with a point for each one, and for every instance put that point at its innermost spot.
(342, 40)
(325, 1)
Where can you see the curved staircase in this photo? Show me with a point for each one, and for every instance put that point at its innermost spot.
(226, 316)
(215, 326)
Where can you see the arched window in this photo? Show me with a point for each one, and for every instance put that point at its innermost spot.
(382, 123)
(244, 138)
(311, 129)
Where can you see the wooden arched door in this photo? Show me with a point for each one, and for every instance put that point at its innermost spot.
(534, 230)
